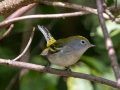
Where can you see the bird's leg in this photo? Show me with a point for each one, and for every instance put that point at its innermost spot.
(48, 66)
(68, 70)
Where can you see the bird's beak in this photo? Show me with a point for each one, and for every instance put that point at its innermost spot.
(92, 45)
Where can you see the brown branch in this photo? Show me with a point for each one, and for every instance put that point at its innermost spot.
(109, 45)
(61, 4)
(12, 82)
(72, 6)
(112, 8)
(57, 72)
(21, 11)
(85, 10)
(26, 48)
(6, 22)
(18, 13)
(12, 5)
(115, 9)
(7, 32)
(107, 11)
(78, 7)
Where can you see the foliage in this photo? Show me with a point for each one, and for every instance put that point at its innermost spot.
(95, 61)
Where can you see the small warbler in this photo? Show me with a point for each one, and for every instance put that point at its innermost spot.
(64, 52)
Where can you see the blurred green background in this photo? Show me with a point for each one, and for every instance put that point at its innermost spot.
(95, 61)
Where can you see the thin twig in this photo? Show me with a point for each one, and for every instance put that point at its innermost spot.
(107, 11)
(2, 24)
(21, 11)
(78, 7)
(85, 10)
(41, 68)
(26, 48)
(115, 9)
(9, 6)
(112, 8)
(18, 13)
(73, 6)
(12, 81)
(7, 32)
(109, 45)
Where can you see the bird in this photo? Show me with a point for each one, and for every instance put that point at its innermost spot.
(63, 52)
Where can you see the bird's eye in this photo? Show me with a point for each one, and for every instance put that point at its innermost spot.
(82, 41)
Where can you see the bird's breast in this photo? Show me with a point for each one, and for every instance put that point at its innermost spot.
(64, 57)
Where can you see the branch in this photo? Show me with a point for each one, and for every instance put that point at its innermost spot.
(26, 48)
(12, 5)
(21, 11)
(12, 81)
(18, 13)
(7, 32)
(85, 10)
(107, 11)
(78, 7)
(115, 9)
(57, 72)
(6, 22)
(109, 45)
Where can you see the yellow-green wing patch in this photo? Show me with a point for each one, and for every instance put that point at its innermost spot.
(51, 41)
(45, 52)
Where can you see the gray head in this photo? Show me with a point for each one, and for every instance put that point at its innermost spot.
(79, 43)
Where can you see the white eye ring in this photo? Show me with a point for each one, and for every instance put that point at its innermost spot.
(82, 42)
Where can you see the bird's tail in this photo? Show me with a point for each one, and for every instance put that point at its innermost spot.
(49, 38)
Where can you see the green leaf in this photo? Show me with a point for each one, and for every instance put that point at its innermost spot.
(77, 83)
(93, 63)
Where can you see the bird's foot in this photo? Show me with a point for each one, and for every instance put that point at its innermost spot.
(68, 70)
(68, 73)
(47, 68)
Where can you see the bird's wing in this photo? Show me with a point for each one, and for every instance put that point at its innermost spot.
(54, 48)
(45, 52)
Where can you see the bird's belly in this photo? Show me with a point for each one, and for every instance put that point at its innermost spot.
(63, 59)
